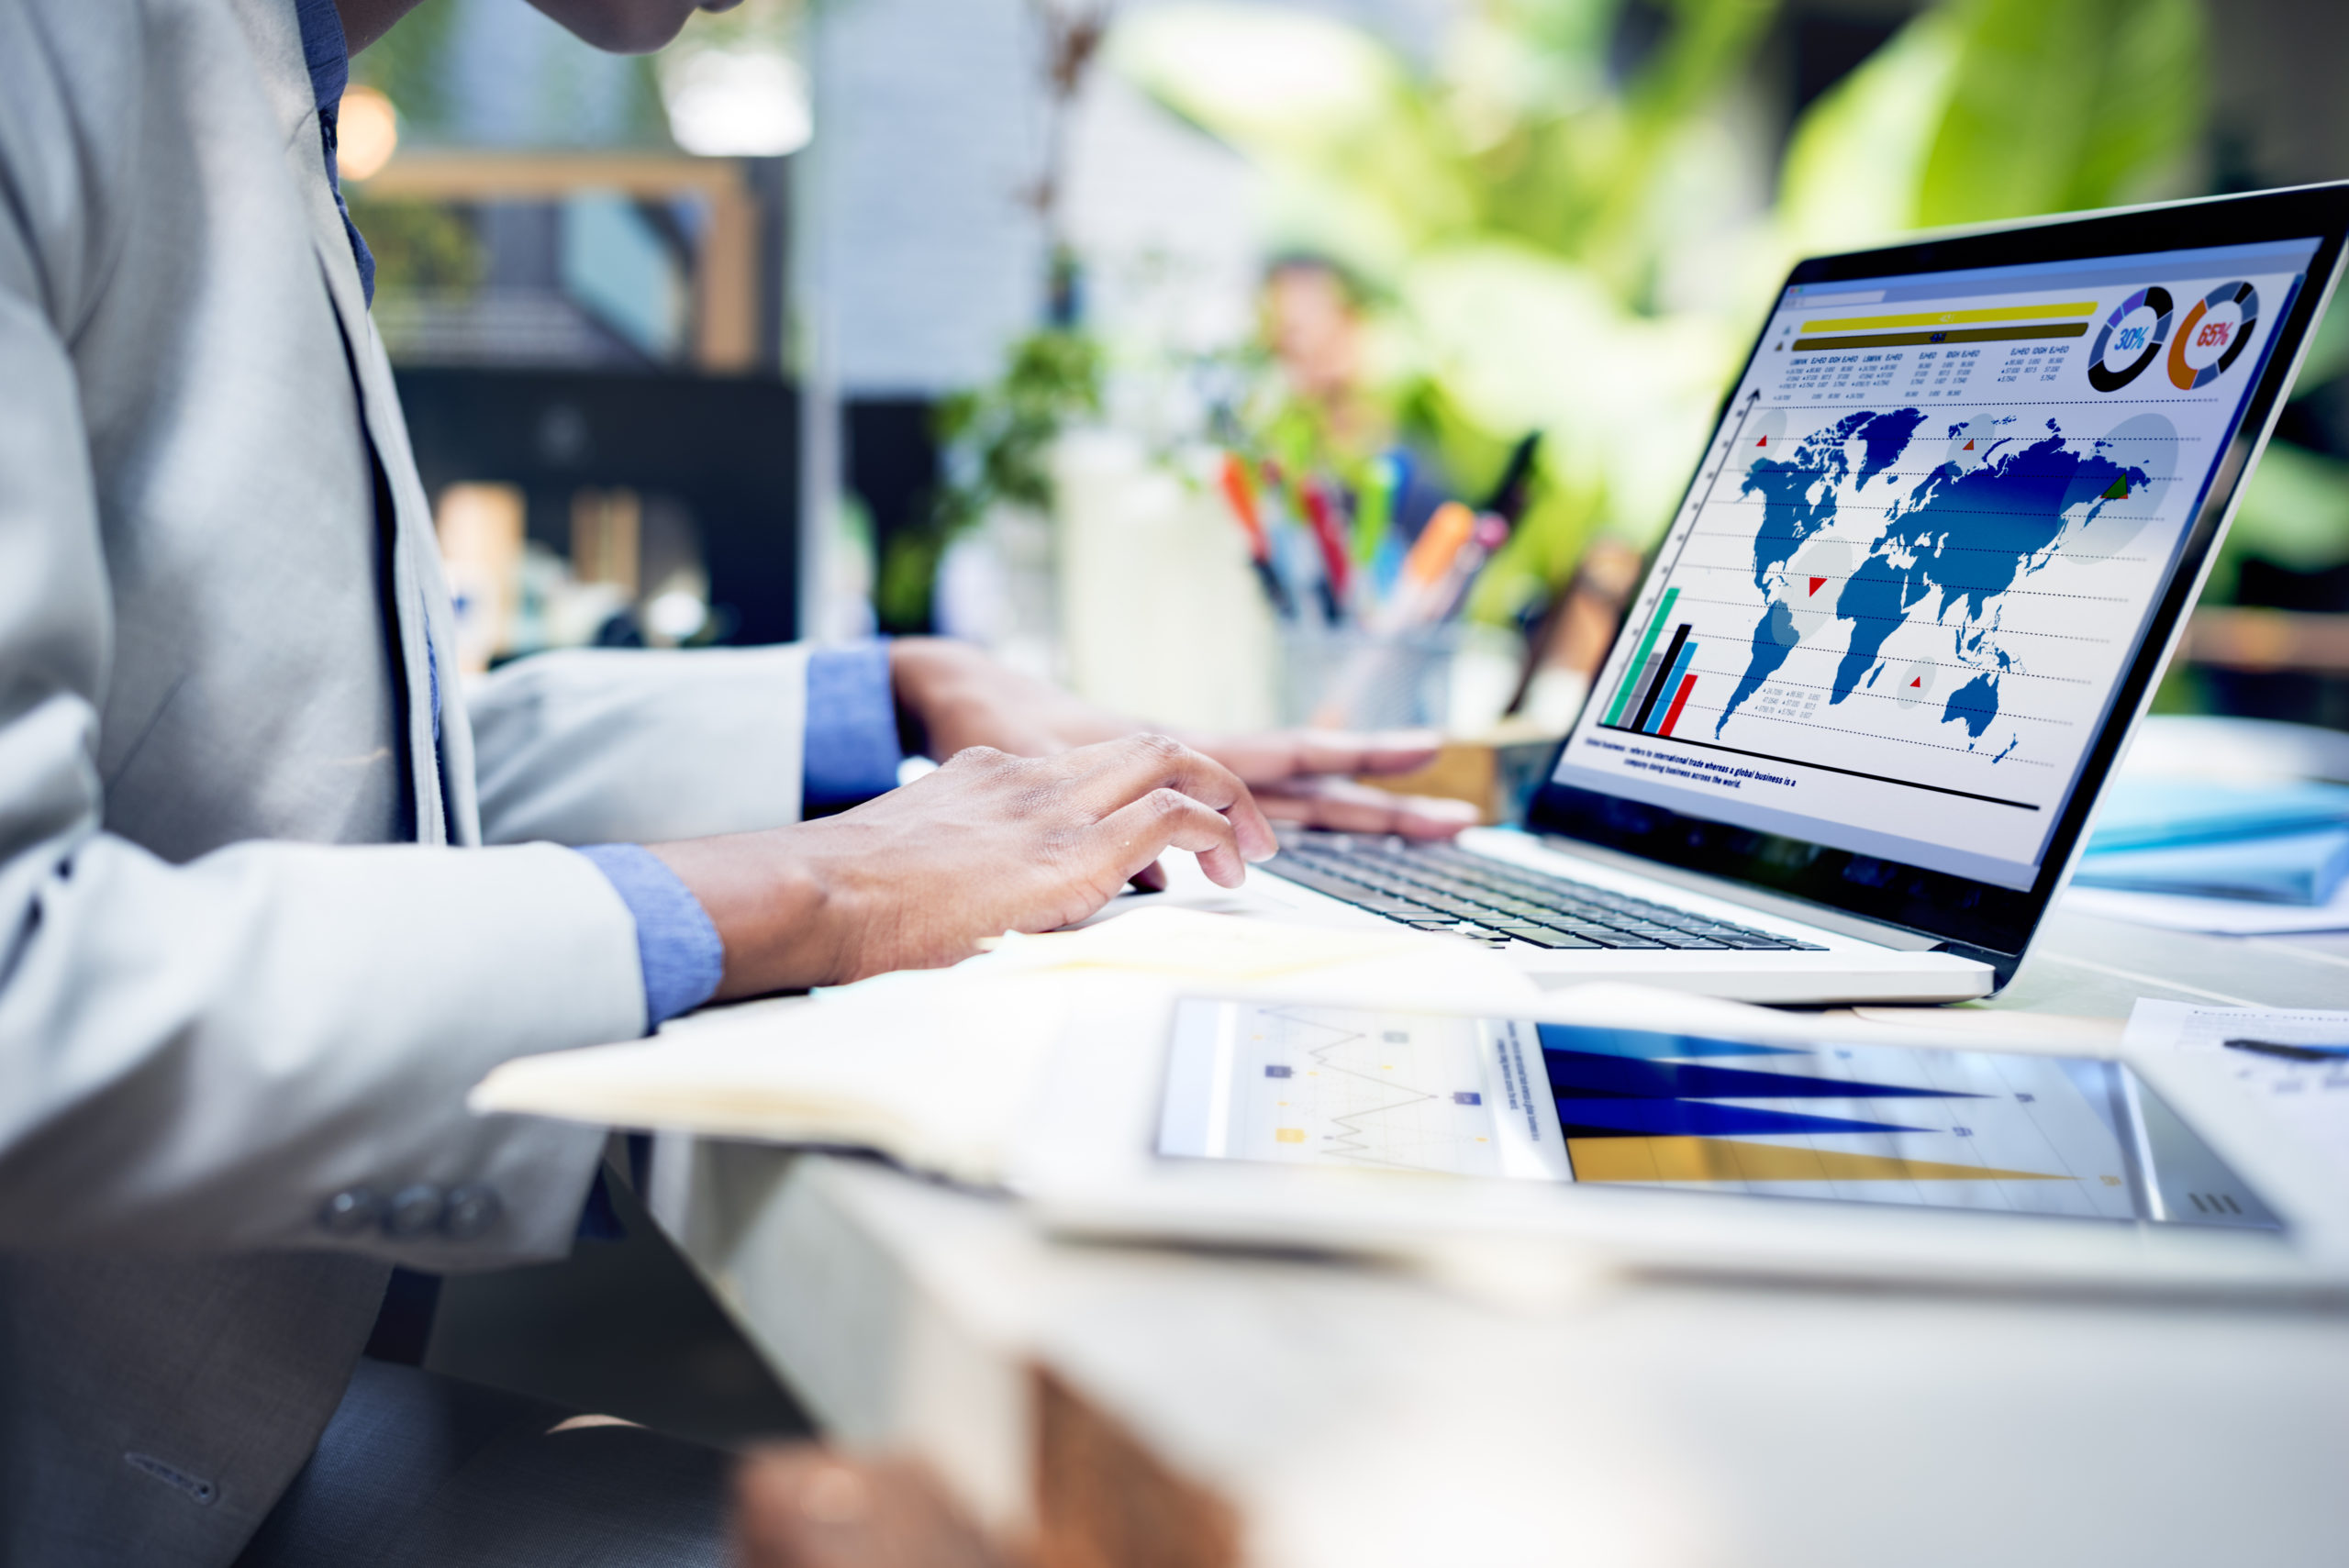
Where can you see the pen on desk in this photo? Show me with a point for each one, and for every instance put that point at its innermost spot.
(1450, 528)
(1382, 489)
(1511, 491)
(1374, 508)
(1296, 551)
(2291, 1052)
(1421, 587)
(1243, 498)
(1452, 597)
(1323, 517)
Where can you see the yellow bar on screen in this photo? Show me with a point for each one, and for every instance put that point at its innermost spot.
(1950, 317)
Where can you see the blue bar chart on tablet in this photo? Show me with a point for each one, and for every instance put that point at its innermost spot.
(1435, 1094)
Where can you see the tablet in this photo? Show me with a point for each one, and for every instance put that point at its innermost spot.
(1900, 1126)
(1641, 1130)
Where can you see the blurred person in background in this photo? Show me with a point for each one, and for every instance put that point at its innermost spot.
(1312, 322)
(253, 950)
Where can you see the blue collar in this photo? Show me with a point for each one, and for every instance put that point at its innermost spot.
(327, 52)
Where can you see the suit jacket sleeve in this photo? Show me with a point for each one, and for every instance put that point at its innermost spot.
(609, 746)
(199, 1056)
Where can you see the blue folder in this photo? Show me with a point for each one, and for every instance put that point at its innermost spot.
(2153, 813)
(2289, 868)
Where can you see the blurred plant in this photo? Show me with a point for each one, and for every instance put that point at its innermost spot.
(2294, 510)
(407, 65)
(1546, 240)
(419, 246)
(1073, 31)
(994, 442)
(569, 92)
(1987, 109)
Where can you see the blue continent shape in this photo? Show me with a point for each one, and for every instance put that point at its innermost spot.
(1975, 704)
(1968, 533)
(1773, 638)
(1797, 500)
(1799, 492)
(1884, 439)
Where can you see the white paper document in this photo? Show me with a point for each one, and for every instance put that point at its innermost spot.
(2219, 916)
(934, 1067)
(2294, 1063)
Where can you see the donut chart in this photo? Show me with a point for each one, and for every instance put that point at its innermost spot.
(2155, 298)
(2184, 377)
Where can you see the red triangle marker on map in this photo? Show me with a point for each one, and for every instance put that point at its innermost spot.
(1763, 443)
(1968, 447)
(1918, 682)
(1817, 582)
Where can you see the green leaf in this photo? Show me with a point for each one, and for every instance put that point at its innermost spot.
(1857, 156)
(2063, 104)
(2294, 510)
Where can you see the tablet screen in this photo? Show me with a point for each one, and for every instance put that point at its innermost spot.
(1509, 1099)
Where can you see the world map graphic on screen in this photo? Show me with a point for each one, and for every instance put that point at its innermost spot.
(1952, 543)
(1898, 602)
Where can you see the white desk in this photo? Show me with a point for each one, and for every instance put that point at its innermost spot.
(1305, 1414)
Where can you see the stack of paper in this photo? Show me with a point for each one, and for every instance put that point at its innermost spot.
(2294, 1065)
(2272, 843)
(934, 1067)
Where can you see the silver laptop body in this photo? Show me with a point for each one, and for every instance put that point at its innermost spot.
(1942, 541)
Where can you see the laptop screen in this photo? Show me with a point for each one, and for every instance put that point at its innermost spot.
(1896, 610)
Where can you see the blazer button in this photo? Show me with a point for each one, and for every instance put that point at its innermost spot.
(471, 1212)
(414, 1210)
(351, 1211)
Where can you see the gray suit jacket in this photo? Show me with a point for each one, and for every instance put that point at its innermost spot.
(227, 994)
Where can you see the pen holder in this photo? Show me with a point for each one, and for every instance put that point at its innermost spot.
(1348, 679)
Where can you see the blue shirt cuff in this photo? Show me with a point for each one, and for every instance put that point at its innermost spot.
(676, 946)
(851, 733)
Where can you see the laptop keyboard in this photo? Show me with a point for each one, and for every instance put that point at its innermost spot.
(1442, 887)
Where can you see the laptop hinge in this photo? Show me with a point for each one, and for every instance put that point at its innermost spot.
(1900, 939)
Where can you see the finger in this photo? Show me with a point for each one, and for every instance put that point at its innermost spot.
(1276, 755)
(1345, 806)
(1135, 835)
(1396, 750)
(1152, 878)
(1119, 771)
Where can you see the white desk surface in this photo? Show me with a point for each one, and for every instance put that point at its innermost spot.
(1515, 1414)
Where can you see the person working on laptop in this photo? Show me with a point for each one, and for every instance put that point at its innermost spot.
(252, 950)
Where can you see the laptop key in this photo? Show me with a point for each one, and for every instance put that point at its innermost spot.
(1442, 886)
(1336, 888)
(1536, 936)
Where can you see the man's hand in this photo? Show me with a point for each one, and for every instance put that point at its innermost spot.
(961, 697)
(989, 843)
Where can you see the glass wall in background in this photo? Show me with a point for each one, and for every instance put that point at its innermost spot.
(572, 248)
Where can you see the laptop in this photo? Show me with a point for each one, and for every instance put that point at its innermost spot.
(1945, 534)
